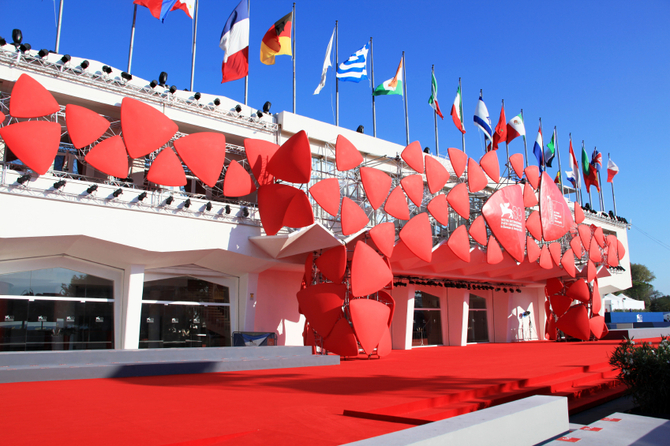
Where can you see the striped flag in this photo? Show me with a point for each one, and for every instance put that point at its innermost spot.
(235, 43)
(355, 69)
(277, 40)
(161, 8)
(573, 175)
(550, 151)
(433, 96)
(482, 119)
(457, 111)
(612, 169)
(538, 149)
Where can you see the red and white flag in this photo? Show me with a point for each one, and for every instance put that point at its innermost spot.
(612, 169)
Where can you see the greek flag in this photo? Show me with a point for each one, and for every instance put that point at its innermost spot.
(354, 69)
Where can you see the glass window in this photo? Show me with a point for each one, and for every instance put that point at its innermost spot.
(427, 328)
(55, 282)
(185, 289)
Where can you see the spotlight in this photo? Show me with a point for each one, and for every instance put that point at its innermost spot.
(360, 129)
(106, 69)
(65, 59)
(142, 196)
(84, 64)
(17, 37)
(259, 113)
(43, 53)
(238, 108)
(426, 150)
(518, 290)
(504, 290)
(208, 206)
(266, 107)
(587, 206)
(227, 209)
(169, 200)
(611, 214)
(173, 89)
(117, 192)
(217, 102)
(92, 188)
(245, 212)
(23, 178)
(187, 203)
(197, 96)
(25, 47)
(162, 78)
(3, 42)
(126, 76)
(59, 184)
(497, 289)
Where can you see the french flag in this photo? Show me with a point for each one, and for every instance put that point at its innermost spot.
(235, 43)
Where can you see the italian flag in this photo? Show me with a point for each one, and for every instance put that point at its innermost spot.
(457, 111)
(391, 86)
(515, 127)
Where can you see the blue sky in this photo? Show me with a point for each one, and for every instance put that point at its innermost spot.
(596, 69)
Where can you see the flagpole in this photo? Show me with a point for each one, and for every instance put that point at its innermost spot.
(525, 147)
(195, 33)
(588, 187)
(558, 154)
(404, 95)
(461, 110)
(600, 186)
(246, 78)
(612, 183)
(481, 95)
(293, 43)
(509, 170)
(437, 141)
(372, 79)
(337, 81)
(132, 40)
(60, 21)
(542, 161)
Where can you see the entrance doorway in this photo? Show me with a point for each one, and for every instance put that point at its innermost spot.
(427, 329)
(478, 330)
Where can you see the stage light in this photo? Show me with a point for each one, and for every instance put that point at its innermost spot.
(92, 188)
(197, 96)
(117, 192)
(173, 89)
(259, 113)
(43, 53)
(126, 76)
(245, 212)
(187, 203)
(611, 214)
(217, 102)
(84, 64)
(227, 209)
(59, 184)
(266, 107)
(107, 69)
(208, 206)
(360, 129)
(142, 196)
(238, 108)
(65, 59)
(25, 47)
(17, 37)
(169, 200)
(518, 290)
(426, 150)
(23, 178)
(162, 78)
(504, 290)
(498, 289)
(153, 83)
(3, 42)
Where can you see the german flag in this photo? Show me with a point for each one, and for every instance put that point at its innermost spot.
(277, 40)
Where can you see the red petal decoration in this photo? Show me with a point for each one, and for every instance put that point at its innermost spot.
(35, 143)
(599, 236)
(396, 204)
(575, 323)
(585, 235)
(110, 157)
(478, 230)
(554, 211)
(491, 166)
(516, 161)
(273, 200)
(504, 213)
(598, 327)
(547, 308)
(413, 187)
(413, 156)
(384, 347)
(346, 155)
(594, 252)
(529, 198)
(493, 253)
(590, 271)
(342, 340)
(476, 178)
(459, 243)
(387, 300)
(568, 263)
(579, 290)
(204, 154)
(327, 194)
(293, 160)
(576, 246)
(436, 174)
(550, 330)
(612, 257)
(383, 236)
(555, 251)
(459, 200)
(322, 305)
(560, 304)
(369, 319)
(333, 263)
(553, 286)
(545, 258)
(167, 170)
(376, 184)
(299, 211)
(439, 209)
(533, 176)
(416, 234)
(237, 182)
(2, 117)
(534, 225)
(84, 126)
(621, 251)
(596, 301)
(533, 250)
(369, 272)
(145, 129)
(31, 100)
(579, 213)
(458, 160)
(259, 153)
(353, 217)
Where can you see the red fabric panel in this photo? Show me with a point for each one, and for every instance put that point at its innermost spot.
(346, 155)
(533, 176)
(30, 99)
(327, 194)
(568, 263)
(293, 161)
(493, 253)
(35, 143)
(529, 198)
(417, 235)
(110, 157)
(491, 165)
(554, 211)
(459, 200)
(459, 243)
(436, 174)
(555, 251)
(533, 251)
(458, 160)
(342, 340)
(333, 263)
(478, 230)
(259, 153)
(353, 217)
(322, 305)
(167, 170)
(383, 236)
(575, 323)
(376, 184)
(439, 209)
(476, 178)
(369, 272)
(369, 319)
(413, 187)
(534, 225)
(84, 126)
(237, 182)
(204, 154)
(545, 258)
(579, 290)
(504, 214)
(516, 161)
(145, 129)
(396, 204)
(413, 156)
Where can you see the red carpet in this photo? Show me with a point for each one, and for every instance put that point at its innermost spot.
(300, 406)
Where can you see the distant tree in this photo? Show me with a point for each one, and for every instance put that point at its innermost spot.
(642, 288)
(660, 304)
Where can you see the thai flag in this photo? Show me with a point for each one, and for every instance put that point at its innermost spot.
(235, 43)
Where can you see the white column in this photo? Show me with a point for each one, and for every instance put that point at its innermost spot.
(500, 311)
(403, 318)
(458, 301)
(248, 297)
(128, 335)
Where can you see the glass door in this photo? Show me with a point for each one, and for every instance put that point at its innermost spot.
(478, 329)
(427, 328)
